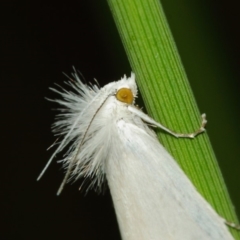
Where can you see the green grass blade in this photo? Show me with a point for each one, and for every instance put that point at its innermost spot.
(168, 97)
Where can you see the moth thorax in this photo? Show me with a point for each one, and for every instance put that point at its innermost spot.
(125, 95)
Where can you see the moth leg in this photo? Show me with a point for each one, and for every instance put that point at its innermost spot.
(192, 135)
(149, 120)
(233, 225)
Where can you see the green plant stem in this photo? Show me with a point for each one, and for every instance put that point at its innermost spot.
(168, 97)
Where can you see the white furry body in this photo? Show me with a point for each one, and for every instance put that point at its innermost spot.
(152, 196)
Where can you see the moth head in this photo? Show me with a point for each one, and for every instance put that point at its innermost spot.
(127, 89)
(125, 95)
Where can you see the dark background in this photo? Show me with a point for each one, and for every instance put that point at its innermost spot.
(39, 42)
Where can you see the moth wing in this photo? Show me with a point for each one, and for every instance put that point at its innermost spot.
(156, 197)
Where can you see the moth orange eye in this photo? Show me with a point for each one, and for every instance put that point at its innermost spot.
(125, 95)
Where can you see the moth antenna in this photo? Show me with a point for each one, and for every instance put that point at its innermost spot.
(71, 165)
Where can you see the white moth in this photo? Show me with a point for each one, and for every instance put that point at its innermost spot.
(107, 135)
